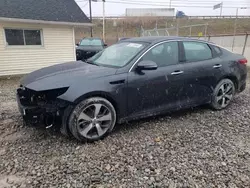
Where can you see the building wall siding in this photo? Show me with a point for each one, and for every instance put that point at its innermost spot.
(58, 47)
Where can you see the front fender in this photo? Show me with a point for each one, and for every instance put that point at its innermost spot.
(78, 90)
(102, 87)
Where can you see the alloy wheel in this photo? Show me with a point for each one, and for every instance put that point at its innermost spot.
(94, 121)
(225, 94)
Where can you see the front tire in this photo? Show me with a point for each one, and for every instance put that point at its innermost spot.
(223, 94)
(79, 55)
(92, 119)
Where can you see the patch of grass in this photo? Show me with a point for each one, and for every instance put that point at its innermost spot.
(130, 27)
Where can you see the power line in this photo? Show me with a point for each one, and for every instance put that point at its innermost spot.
(181, 2)
(174, 4)
(84, 5)
(178, 3)
(219, 1)
(144, 3)
(161, 5)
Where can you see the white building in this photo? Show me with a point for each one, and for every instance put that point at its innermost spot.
(36, 34)
(152, 12)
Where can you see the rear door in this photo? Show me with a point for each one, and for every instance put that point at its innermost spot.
(202, 71)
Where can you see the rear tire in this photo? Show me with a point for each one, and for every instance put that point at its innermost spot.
(223, 94)
(92, 119)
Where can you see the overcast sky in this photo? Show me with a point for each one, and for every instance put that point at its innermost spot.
(118, 9)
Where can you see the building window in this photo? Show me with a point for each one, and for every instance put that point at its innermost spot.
(23, 37)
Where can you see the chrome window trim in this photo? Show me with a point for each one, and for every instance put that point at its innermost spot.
(165, 41)
(149, 50)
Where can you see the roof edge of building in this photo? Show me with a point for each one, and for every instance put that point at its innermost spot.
(4, 19)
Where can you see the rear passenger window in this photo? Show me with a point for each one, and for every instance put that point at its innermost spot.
(217, 50)
(197, 51)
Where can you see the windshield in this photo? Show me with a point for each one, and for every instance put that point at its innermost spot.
(91, 42)
(117, 55)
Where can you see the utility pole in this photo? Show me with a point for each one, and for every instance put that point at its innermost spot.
(103, 21)
(221, 9)
(235, 24)
(177, 26)
(90, 17)
(103, 16)
(217, 6)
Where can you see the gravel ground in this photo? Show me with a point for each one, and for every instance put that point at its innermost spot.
(192, 148)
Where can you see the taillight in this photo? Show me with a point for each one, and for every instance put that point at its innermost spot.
(243, 61)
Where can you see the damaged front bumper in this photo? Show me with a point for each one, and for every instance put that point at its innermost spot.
(41, 108)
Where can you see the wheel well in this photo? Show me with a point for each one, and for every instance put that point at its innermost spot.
(102, 95)
(234, 80)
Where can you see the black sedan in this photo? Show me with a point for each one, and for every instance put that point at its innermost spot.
(135, 78)
(88, 47)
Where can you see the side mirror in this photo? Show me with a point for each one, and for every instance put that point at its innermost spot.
(77, 44)
(105, 45)
(146, 65)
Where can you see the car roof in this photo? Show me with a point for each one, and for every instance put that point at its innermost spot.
(157, 39)
(91, 38)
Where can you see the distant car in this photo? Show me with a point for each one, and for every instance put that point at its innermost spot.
(88, 47)
(180, 14)
(123, 38)
(131, 79)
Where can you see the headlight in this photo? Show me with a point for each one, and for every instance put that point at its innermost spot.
(31, 97)
(53, 93)
(49, 95)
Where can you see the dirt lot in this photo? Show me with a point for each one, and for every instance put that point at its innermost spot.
(192, 148)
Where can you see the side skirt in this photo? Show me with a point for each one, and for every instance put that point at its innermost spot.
(159, 112)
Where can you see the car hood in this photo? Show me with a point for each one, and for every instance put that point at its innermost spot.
(90, 48)
(64, 75)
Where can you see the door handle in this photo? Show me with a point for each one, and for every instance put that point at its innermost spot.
(117, 82)
(177, 72)
(217, 66)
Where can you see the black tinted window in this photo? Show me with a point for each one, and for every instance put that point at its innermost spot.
(91, 42)
(164, 54)
(217, 50)
(23, 37)
(117, 55)
(32, 37)
(197, 51)
(14, 37)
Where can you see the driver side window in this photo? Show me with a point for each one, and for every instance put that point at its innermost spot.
(164, 54)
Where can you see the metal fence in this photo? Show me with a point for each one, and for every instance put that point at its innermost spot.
(173, 17)
(199, 29)
(118, 27)
(239, 43)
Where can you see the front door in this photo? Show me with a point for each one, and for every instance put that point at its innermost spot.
(156, 90)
